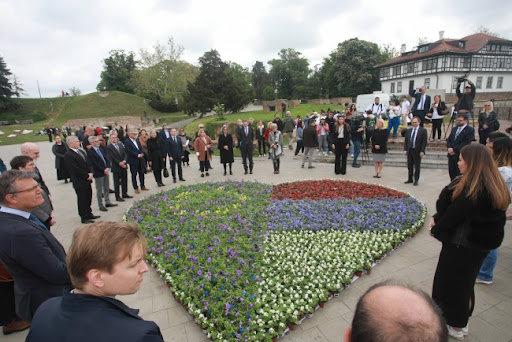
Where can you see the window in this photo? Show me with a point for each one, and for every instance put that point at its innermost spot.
(427, 83)
(454, 62)
(429, 64)
(454, 82)
(399, 86)
(397, 70)
(424, 48)
(410, 67)
(466, 61)
(478, 84)
(500, 82)
(489, 82)
(386, 72)
(392, 90)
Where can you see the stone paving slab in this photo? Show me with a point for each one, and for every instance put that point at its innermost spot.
(414, 262)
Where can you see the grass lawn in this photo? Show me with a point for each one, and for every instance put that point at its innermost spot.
(21, 138)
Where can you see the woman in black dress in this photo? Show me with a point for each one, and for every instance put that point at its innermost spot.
(379, 147)
(340, 138)
(226, 148)
(469, 222)
(59, 149)
(155, 156)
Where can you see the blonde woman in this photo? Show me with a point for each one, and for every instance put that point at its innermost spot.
(379, 147)
(487, 122)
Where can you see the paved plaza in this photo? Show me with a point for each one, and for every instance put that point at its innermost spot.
(413, 263)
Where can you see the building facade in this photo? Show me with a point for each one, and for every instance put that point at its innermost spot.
(486, 60)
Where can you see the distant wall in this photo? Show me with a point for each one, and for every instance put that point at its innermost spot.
(276, 105)
(131, 121)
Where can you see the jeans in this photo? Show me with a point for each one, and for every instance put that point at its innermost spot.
(394, 123)
(487, 269)
(357, 150)
(351, 148)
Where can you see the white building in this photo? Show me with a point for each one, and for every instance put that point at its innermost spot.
(486, 60)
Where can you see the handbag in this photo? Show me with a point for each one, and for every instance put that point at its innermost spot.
(166, 173)
(210, 150)
(445, 111)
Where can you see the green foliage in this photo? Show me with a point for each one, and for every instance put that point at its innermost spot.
(353, 64)
(328, 78)
(117, 72)
(219, 112)
(260, 79)
(268, 94)
(7, 90)
(163, 76)
(218, 82)
(22, 114)
(290, 73)
(486, 30)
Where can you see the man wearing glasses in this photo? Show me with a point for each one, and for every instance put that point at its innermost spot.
(31, 254)
(460, 136)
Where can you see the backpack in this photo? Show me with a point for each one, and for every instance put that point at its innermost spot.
(371, 123)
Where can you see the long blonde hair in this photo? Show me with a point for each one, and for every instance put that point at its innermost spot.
(481, 175)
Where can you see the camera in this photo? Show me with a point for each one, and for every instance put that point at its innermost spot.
(462, 78)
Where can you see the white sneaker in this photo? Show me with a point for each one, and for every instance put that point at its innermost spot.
(325, 153)
(352, 155)
(259, 156)
(458, 335)
(330, 152)
(481, 281)
(465, 330)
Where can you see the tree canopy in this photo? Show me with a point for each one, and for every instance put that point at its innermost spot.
(290, 74)
(7, 89)
(260, 79)
(117, 72)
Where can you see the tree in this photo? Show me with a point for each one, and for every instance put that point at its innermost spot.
(75, 91)
(268, 94)
(486, 30)
(260, 79)
(163, 76)
(117, 72)
(388, 51)
(218, 83)
(328, 78)
(354, 67)
(7, 89)
(314, 88)
(290, 74)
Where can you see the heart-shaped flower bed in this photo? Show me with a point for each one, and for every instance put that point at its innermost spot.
(248, 259)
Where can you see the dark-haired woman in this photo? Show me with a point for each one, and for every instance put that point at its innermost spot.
(379, 147)
(59, 149)
(226, 149)
(435, 113)
(469, 222)
(341, 138)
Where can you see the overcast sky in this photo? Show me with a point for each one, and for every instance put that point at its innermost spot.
(62, 44)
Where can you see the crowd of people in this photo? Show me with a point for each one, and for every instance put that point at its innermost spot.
(55, 292)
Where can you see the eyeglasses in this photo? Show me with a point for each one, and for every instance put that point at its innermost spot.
(26, 190)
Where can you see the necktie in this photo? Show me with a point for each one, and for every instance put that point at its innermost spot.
(457, 133)
(81, 154)
(174, 138)
(37, 221)
(101, 155)
(413, 139)
(117, 147)
(420, 106)
(246, 131)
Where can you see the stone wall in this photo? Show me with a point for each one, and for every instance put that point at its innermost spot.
(336, 101)
(276, 105)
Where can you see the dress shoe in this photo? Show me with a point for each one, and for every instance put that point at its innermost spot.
(127, 196)
(137, 191)
(87, 220)
(231, 173)
(225, 173)
(158, 184)
(182, 179)
(110, 205)
(174, 180)
(245, 172)
(250, 172)
(408, 181)
(311, 167)
(119, 199)
(16, 325)
(144, 188)
(103, 209)
(93, 217)
(356, 165)
(202, 174)
(207, 174)
(110, 191)
(416, 183)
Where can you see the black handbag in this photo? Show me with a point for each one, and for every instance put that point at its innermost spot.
(166, 173)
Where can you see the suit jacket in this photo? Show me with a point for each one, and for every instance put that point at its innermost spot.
(116, 157)
(78, 168)
(41, 182)
(310, 137)
(491, 121)
(245, 140)
(465, 138)
(97, 164)
(174, 149)
(346, 135)
(83, 317)
(421, 140)
(35, 259)
(417, 96)
(163, 141)
(132, 151)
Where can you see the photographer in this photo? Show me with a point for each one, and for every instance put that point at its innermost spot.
(465, 103)
(356, 133)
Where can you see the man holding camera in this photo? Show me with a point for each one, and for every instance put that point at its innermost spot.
(421, 104)
(465, 103)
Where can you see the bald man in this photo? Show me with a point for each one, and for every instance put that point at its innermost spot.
(32, 150)
(393, 312)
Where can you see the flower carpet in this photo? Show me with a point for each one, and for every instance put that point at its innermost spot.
(250, 260)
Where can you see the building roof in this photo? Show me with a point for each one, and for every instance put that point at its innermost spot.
(473, 43)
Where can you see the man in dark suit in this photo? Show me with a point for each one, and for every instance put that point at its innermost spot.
(164, 135)
(414, 148)
(100, 171)
(175, 151)
(460, 136)
(105, 259)
(245, 138)
(81, 175)
(421, 106)
(29, 252)
(117, 156)
(134, 156)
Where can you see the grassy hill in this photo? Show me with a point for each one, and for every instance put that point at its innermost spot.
(58, 110)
